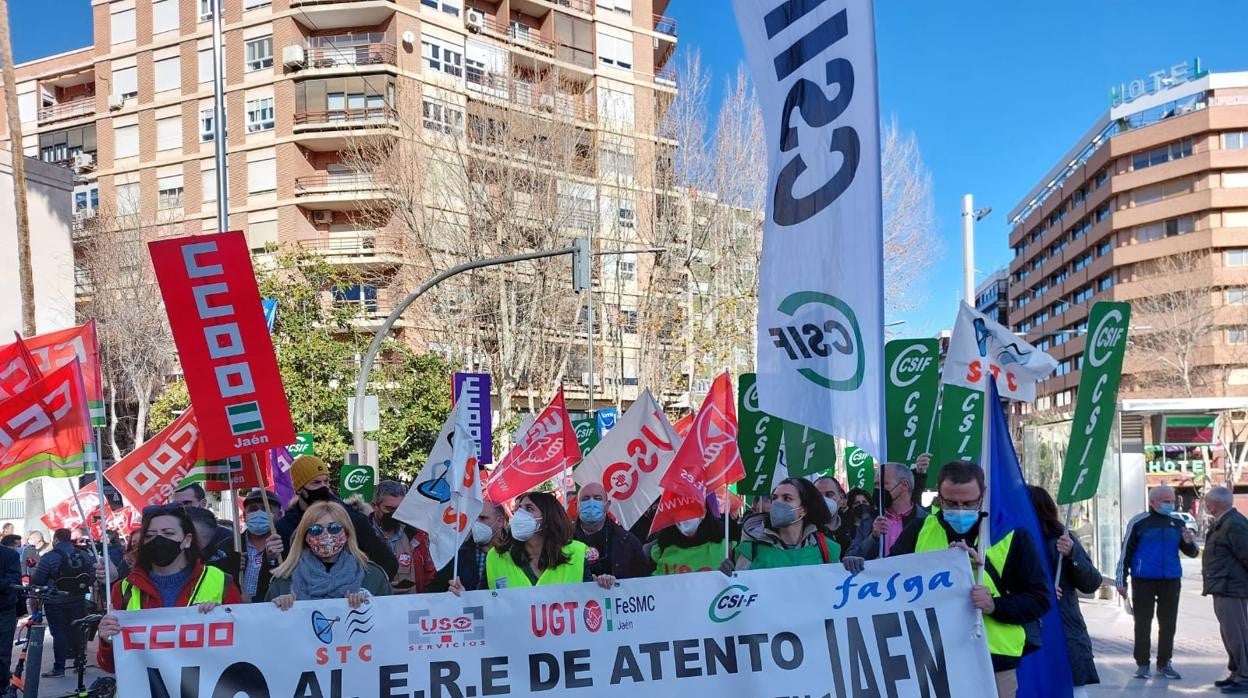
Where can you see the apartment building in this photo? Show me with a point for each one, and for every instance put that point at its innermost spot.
(1149, 206)
(308, 79)
(991, 296)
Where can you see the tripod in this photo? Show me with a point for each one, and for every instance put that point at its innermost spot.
(103, 687)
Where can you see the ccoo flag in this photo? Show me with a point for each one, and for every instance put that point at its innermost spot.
(821, 293)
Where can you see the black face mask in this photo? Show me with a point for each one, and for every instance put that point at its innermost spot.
(159, 552)
(888, 496)
(862, 510)
(388, 523)
(320, 494)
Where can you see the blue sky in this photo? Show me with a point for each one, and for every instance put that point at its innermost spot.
(995, 91)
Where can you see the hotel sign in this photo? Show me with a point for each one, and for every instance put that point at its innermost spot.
(1155, 82)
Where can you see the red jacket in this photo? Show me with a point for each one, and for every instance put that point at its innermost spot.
(151, 599)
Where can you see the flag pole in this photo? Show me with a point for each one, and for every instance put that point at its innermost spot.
(1057, 576)
(985, 506)
(727, 528)
(229, 474)
(264, 495)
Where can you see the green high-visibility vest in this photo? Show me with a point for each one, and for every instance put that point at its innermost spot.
(677, 560)
(501, 572)
(1004, 639)
(209, 587)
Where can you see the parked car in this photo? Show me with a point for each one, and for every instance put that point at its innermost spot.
(1188, 520)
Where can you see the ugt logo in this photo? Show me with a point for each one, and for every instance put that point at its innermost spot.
(829, 327)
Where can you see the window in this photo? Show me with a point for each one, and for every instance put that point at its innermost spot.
(206, 128)
(1237, 140)
(62, 146)
(168, 74)
(1082, 261)
(1235, 180)
(618, 160)
(122, 26)
(126, 141)
(1236, 296)
(253, 4)
(126, 82)
(86, 199)
(208, 184)
(260, 115)
(127, 198)
(1161, 191)
(169, 192)
(1236, 258)
(1237, 335)
(450, 7)
(205, 9)
(164, 16)
(1102, 213)
(615, 48)
(626, 267)
(205, 66)
(1165, 229)
(442, 56)
(1083, 295)
(169, 133)
(262, 176)
(624, 7)
(1101, 178)
(1166, 153)
(363, 296)
(259, 53)
(615, 105)
(1103, 247)
(442, 117)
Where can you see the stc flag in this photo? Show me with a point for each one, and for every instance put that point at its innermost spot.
(821, 289)
(151, 472)
(45, 430)
(446, 498)
(631, 460)
(980, 344)
(49, 352)
(547, 448)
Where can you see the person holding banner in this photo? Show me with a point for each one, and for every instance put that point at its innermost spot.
(487, 532)
(791, 534)
(612, 549)
(262, 548)
(693, 545)
(540, 550)
(326, 562)
(168, 573)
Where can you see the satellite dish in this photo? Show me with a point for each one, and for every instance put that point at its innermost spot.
(323, 627)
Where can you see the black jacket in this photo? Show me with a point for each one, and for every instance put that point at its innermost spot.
(1224, 565)
(468, 575)
(10, 574)
(376, 549)
(48, 572)
(614, 551)
(1024, 589)
(868, 548)
(1078, 575)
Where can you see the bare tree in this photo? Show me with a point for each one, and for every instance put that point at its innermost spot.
(1173, 317)
(910, 242)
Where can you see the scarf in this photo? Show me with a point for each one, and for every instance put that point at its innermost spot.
(310, 579)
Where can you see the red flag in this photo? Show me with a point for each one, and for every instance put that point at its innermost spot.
(67, 514)
(684, 424)
(707, 460)
(45, 430)
(49, 352)
(548, 448)
(151, 472)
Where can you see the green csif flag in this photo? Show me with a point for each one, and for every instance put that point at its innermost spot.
(807, 451)
(586, 428)
(961, 431)
(859, 469)
(910, 390)
(1104, 348)
(759, 438)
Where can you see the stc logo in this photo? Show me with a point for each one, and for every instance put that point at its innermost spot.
(730, 602)
(826, 329)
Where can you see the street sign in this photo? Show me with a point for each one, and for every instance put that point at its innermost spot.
(372, 413)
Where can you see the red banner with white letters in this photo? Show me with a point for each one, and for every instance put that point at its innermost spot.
(210, 294)
(51, 351)
(68, 513)
(45, 430)
(151, 472)
(547, 448)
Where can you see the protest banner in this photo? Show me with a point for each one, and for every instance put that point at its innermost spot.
(225, 474)
(475, 388)
(903, 627)
(223, 343)
(960, 433)
(150, 473)
(586, 428)
(53, 350)
(632, 459)
(980, 345)
(280, 460)
(45, 430)
(821, 279)
(546, 449)
(910, 396)
(859, 469)
(706, 461)
(1104, 348)
(807, 451)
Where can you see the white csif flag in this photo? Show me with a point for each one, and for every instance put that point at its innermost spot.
(631, 459)
(446, 497)
(821, 287)
(981, 344)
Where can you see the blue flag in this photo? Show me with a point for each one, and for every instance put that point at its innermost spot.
(1044, 673)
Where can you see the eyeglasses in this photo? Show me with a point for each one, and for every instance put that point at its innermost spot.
(162, 509)
(316, 530)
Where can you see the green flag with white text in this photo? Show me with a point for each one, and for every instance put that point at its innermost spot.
(586, 428)
(758, 439)
(961, 431)
(910, 390)
(859, 469)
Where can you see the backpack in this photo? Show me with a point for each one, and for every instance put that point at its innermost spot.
(75, 576)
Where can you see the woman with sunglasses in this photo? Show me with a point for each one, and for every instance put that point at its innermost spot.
(326, 562)
(168, 573)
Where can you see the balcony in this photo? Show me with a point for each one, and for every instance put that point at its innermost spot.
(83, 106)
(356, 249)
(540, 96)
(336, 191)
(351, 50)
(328, 129)
(523, 36)
(665, 25)
(340, 14)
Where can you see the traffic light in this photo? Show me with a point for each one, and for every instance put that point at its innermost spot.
(582, 265)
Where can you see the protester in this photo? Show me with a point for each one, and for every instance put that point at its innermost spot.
(409, 545)
(35, 540)
(1224, 569)
(1150, 554)
(899, 510)
(309, 476)
(262, 547)
(487, 531)
(326, 562)
(68, 568)
(841, 529)
(218, 552)
(539, 550)
(612, 549)
(791, 534)
(10, 576)
(692, 545)
(12, 540)
(194, 496)
(1013, 592)
(1078, 574)
(167, 573)
(859, 506)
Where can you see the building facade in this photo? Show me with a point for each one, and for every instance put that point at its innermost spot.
(992, 296)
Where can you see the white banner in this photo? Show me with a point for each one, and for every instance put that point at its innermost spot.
(905, 627)
(631, 459)
(821, 289)
(981, 344)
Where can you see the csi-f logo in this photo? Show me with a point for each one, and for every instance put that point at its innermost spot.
(823, 327)
(730, 603)
(1109, 333)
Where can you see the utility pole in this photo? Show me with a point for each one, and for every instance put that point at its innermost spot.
(970, 215)
(25, 272)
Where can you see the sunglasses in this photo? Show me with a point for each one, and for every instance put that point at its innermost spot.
(162, 509)
(333, 529)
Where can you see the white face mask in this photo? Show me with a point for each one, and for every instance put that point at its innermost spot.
(481, 533)
(688, 528)
(523, 525)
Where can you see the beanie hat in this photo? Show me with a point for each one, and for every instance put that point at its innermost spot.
(305, 469)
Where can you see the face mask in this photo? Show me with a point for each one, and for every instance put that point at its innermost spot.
(160, 551)
(523, 525)
(833, 505)
(327, 545)
(688, 528)
(388, 523)
(258, 523)
(1166, 509)
(320, 494)
(960, 520)
(592, 511)
(481, 533)
(782, 514)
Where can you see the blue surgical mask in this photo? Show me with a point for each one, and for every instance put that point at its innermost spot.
(258, 523)
(592, 511)
(960, 520)
(1166, 508)
(782, 514)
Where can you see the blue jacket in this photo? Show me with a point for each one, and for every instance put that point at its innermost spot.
(49, 569)
(1150, 549)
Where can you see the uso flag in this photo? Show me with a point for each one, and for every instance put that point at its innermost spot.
(223, 343)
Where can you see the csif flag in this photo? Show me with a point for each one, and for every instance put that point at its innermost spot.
(631, 460)
(446, 497)
(547, 448)
(910, 396)
(45, 430)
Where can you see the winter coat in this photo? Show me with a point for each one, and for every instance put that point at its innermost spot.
(759, 542)
(1151, 547)
(1078, 575)
(622, 557)
(867, 547)
(377, 550)
(1224, 566)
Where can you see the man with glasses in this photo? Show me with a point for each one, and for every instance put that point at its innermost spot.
(899, 510)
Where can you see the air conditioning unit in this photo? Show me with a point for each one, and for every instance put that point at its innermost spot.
(293, 57)
(83, 161)
(116, 102)
(323, 217)
(474, 20)
(546, 102)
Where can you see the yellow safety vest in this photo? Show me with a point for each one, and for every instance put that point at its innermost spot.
(209, 587)
(1004, 639)
(501, 572)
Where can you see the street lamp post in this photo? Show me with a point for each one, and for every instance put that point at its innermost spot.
(970, 215)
